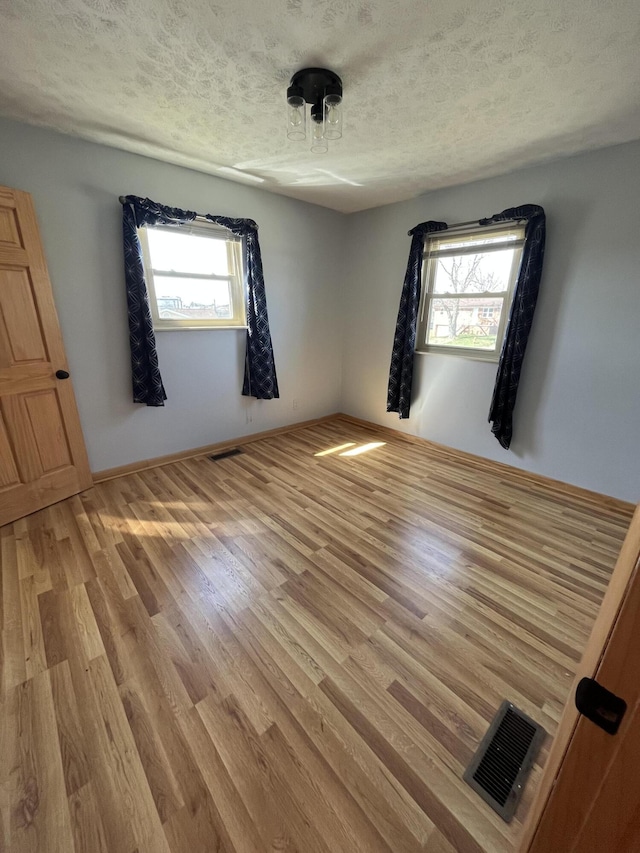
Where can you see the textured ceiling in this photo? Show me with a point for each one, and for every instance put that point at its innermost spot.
(437, 92)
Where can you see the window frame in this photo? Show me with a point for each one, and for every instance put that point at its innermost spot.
(430, 260)
(233, 245)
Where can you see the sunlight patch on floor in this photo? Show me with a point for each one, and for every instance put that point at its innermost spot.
(364, 448)
(335, 449)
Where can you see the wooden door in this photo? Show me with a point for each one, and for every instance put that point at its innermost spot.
(589, 797)
(42, 453)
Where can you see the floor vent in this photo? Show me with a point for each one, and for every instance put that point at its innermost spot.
(500, 767)
(225, 454)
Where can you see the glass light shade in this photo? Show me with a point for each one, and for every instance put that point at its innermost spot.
(297, 119)
(318, 140)
(333, 117)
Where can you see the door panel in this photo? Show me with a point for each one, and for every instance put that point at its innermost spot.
(614, 825)
(8, 472)
(47, 426)
(20, 326)
(24, 449)
(592, 800)
(9, 231)
(42, 453)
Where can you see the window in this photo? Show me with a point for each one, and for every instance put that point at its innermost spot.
(467, 289)
(194, 276)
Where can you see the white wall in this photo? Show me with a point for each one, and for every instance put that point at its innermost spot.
(577, 418)
(75, 186)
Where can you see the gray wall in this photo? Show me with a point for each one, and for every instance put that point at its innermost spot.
(578, 413)
(75, 186)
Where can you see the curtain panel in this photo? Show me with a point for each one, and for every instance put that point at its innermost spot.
(404, 342)
(260, 378)
(145, 372)
(520, 320)
(260, 373)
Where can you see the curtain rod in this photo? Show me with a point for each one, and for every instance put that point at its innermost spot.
(484, 223)
(481, 221)
(463, 224)
(122, 199)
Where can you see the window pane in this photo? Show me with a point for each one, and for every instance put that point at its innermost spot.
(486, 271)
(192, 298)
(442, 241)
(476, 241)
(465, 323)
(178, 251)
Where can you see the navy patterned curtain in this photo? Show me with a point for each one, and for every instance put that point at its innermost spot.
(520, 318)
(260, 374)
(401, 371)
(260, 378)
(145, 373)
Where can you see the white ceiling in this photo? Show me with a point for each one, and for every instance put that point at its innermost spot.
(437, 92)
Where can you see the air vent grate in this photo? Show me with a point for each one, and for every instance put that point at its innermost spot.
(504, 759)
(224, 454)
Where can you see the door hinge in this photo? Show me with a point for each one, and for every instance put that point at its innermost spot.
(599, 705)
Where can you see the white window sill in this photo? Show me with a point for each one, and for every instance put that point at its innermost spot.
(493, 358)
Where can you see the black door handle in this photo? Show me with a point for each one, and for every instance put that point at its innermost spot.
(62, 374)
(599, 705)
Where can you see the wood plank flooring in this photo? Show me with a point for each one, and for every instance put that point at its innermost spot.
(281, 651)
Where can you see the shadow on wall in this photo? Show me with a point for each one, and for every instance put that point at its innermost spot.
(110, 276)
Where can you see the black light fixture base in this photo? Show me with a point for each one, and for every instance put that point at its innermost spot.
(314, 83)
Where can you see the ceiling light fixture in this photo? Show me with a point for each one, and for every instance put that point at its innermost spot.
(322, 89)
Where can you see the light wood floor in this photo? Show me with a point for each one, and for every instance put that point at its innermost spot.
(286, 652)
